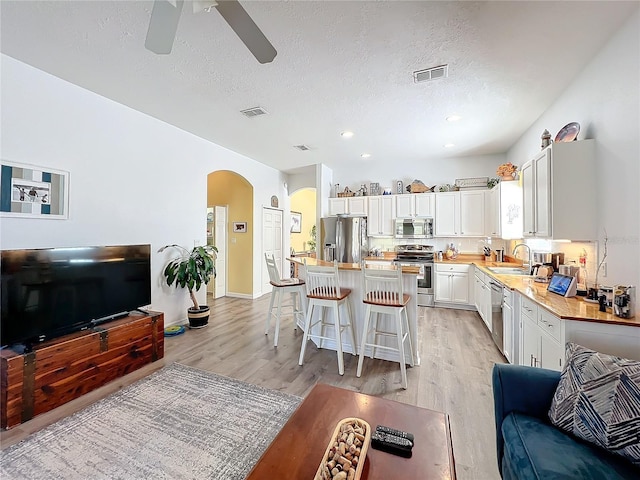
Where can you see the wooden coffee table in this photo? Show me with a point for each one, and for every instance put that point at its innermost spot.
(297, 450)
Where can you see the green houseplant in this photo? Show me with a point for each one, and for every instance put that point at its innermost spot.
(190, 270)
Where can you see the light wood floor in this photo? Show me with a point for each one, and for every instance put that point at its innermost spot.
(456, 353)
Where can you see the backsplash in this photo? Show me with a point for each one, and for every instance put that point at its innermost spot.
(464, 245)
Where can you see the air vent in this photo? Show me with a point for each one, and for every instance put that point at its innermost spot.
(302, 148)
(253, 112)
(431, 74)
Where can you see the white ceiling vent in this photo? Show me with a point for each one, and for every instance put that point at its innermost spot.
(253, 112)
(302, 148)
(433, 73)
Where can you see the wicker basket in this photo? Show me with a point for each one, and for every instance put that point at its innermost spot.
(346, 193)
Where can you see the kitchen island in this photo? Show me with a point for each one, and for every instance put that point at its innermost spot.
(350, 276)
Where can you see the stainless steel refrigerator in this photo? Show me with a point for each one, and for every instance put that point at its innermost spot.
(344, 238)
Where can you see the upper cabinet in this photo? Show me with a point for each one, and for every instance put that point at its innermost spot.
(382, 213)
(460, 214)
(415, 205)
(558, 192)
(504, 211)
(348, 206)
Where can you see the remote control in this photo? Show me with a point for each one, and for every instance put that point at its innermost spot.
(393, 431)
(391, 444)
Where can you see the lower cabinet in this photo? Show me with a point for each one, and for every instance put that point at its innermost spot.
(482, 299)
(542, 342)
(452, 284)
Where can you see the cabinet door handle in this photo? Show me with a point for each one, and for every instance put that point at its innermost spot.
(531, 361)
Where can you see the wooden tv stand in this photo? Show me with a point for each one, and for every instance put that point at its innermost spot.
(62, 369)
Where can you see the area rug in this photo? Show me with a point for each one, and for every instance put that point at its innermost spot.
(178, 423)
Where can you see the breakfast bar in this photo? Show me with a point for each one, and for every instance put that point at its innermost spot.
(350, 275)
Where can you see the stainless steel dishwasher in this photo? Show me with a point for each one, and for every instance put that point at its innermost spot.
(496, 315)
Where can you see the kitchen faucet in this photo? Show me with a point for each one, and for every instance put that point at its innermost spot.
(529, 250)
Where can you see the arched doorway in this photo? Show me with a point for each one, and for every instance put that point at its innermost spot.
(233, 191)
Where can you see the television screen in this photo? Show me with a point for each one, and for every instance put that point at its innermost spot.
(50, 292)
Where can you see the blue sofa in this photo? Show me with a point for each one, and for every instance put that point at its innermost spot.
(529, 447)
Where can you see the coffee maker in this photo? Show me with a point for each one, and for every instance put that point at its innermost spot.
(545, 263)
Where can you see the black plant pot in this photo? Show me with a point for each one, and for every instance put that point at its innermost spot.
(198, 317)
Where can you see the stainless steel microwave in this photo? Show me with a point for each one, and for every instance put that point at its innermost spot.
(414, 228)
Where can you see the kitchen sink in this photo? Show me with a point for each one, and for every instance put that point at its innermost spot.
(508, 270)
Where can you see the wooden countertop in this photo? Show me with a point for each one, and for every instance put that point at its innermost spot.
(352, 266)
(574, 308)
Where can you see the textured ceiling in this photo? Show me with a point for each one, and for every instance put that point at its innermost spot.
(340, 66)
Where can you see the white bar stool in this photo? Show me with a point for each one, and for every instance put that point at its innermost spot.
(383, 294)
(323, 290)
(295, 287)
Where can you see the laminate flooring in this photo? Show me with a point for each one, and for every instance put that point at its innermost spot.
(456, 353)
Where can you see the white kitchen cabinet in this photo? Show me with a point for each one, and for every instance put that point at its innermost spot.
(482, 298)
(557, 186)
(542, 339)
(348, 206)
(452, 283)
(460, 214)
(415, 205)
(504, 211)
(381, 216)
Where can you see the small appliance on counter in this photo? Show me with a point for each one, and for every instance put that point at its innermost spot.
(542, 273)
(570, 270)
(553, 260)
(624, 301)
(500, 255)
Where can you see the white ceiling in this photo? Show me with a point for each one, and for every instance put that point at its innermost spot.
(340, 66)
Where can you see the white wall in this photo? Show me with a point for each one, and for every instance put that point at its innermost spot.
(431, 172)
(133, 179)
(605, 100)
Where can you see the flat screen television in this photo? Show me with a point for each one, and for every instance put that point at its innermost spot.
(46, 293)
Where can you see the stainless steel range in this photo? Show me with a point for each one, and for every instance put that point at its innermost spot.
(420, 256)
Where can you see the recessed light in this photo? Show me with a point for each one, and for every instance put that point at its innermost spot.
(449, 145)
(453, 118)
(346, 134)
(365, 155)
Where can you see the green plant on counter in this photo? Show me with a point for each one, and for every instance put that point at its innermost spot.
(312, 242)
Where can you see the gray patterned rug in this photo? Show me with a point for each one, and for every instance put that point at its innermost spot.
(178, 423)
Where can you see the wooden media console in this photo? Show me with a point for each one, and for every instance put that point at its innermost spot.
(60, 370)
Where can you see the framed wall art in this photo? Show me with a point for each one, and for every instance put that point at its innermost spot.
(239, 227)
(296, 222)
(30, 191)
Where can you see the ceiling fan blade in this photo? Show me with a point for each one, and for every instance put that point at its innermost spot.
(241, 23)
(163, 26)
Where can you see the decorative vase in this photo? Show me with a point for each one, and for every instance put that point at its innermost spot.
(507, 178)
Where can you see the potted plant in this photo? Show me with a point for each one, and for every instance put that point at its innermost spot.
(190, 270)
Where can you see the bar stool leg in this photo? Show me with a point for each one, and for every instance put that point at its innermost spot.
(375, 334)
(269, 312)
(403, 367)
(336, 309)
(280, 293)
(306, 332)
(363, 340)
(354, 345)
(406, 319)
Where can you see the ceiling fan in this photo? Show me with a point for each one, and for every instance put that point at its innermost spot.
(166, 14)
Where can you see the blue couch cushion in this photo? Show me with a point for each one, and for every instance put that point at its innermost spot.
(534, 449)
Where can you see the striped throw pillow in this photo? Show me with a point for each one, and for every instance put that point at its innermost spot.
(598, 400)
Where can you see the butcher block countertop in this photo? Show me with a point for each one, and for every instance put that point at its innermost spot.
(353, 266)
(574, 308)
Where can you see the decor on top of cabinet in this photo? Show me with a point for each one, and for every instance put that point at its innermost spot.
(492, 182)
(346, 193)
(446, 187)
(362, 191)
(374, 188)
(417, 186)
(546, 139)
(472, 182)
(399, 187)
(568, 133)
(507, 171)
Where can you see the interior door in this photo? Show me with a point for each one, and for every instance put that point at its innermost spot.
(220, 242)
(271, 243)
